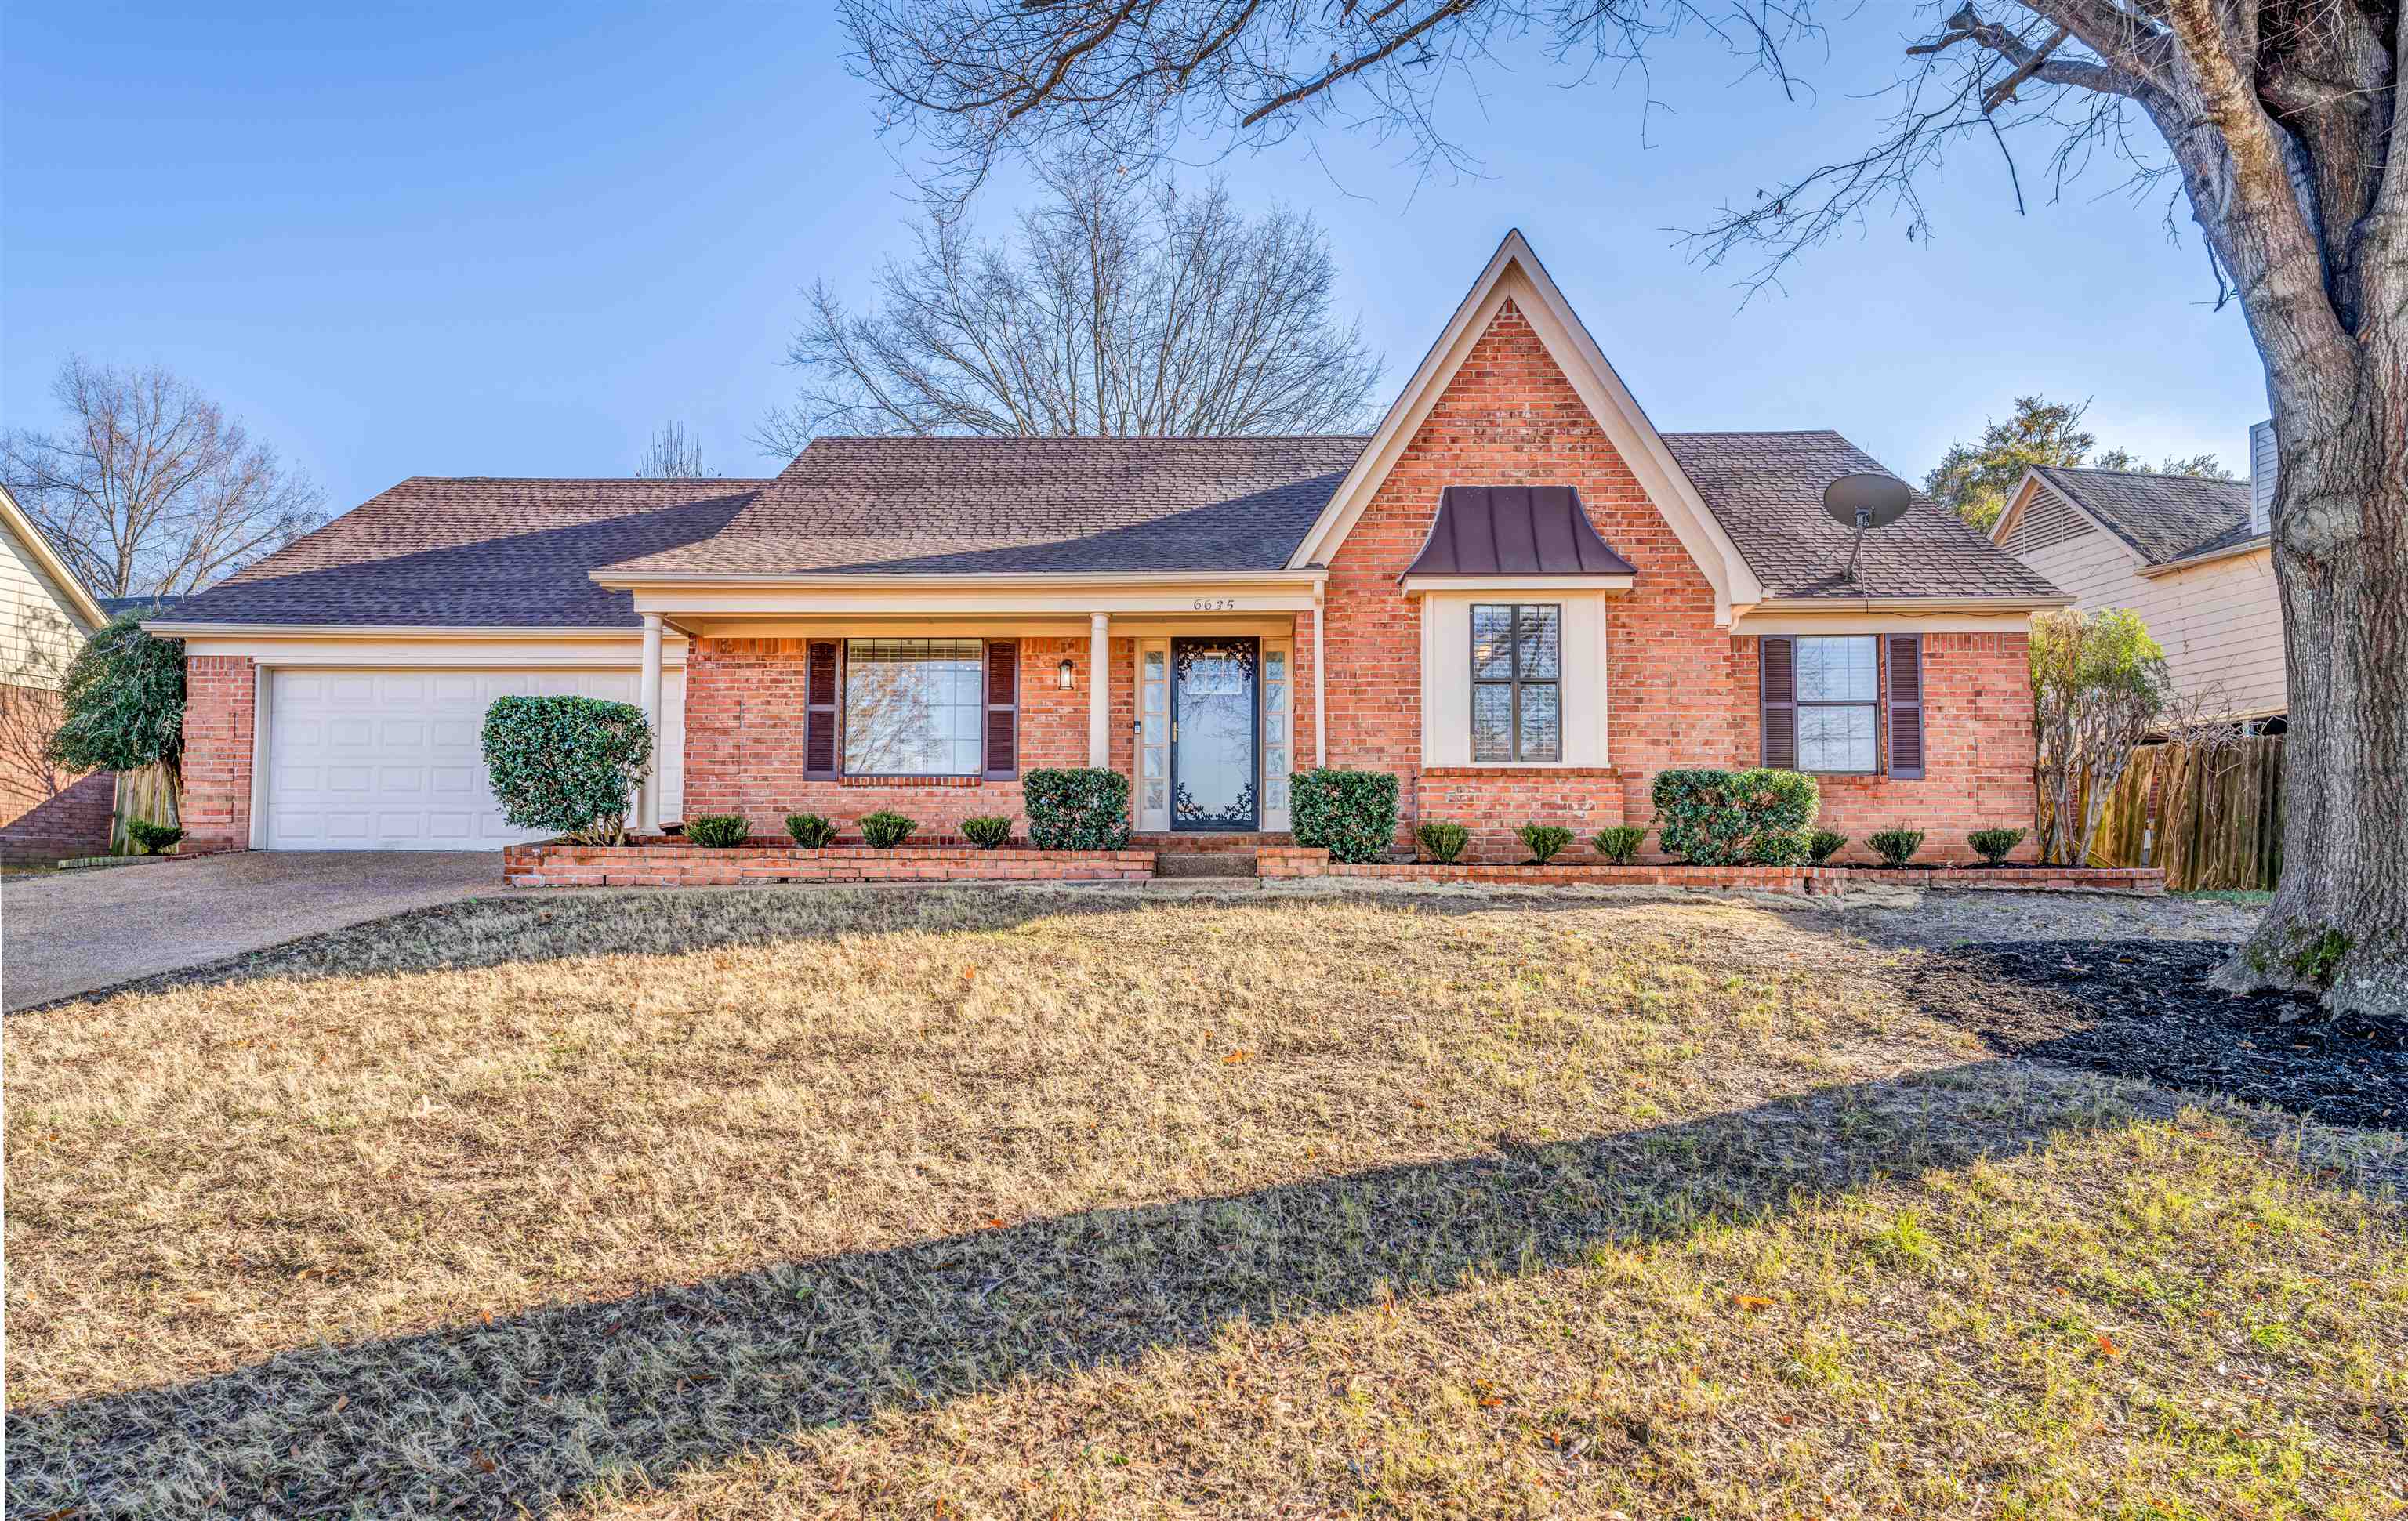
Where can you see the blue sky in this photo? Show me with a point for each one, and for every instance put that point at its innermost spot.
(467, 240)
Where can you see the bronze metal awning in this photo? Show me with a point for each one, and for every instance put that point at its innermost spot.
(1516, 531)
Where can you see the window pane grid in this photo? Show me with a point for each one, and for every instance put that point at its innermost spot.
(1838, 695)
(914, 708)
(1516, 665)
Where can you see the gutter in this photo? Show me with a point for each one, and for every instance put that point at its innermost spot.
(171, 629)
(618, 581)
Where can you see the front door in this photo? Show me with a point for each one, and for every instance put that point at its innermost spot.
(1213, 773)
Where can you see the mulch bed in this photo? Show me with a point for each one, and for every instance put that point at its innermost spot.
(2143, 1008)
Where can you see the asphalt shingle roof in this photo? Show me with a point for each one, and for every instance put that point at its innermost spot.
(889, 506)
(2163, 517)
(473, 553)
(481, 553)
(1766, 489)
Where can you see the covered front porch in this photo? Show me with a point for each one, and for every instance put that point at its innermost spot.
(933, 696)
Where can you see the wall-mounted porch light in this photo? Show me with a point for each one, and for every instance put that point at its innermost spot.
(1066, 675)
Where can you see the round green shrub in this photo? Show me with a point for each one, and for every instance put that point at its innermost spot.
(567, 764)
(1620, 844)
(122, 705)
(720, 832)
(1350, 814)
(1077, 808)
(812, 832)
(1896, 846)
(885, 829)
(151, 839)
(1995, 845)
(988, 831)
(1441, 842)
(1758, 816)
(1544, 842)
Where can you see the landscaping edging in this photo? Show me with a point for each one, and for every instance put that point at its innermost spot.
(665, 864)
(1290, 862)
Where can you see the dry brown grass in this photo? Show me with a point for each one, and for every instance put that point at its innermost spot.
(978, 1203)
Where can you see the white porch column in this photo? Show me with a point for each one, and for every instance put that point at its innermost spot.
(1320, 662)
(1099, 690)
(648, 811)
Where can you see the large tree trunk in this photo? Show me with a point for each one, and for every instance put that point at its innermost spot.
(2340, 916)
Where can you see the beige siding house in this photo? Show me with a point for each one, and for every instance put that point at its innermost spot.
(2190, 556)
(46, 615)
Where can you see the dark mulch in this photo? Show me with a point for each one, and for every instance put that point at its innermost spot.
(2143, 1008)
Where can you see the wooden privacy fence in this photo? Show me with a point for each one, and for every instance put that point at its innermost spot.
(2210, 814)
(147, 793)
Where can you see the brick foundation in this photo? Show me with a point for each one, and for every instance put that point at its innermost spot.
(1295, 862)
(660, 863)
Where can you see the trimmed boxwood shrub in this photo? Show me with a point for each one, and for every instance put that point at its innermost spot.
(1896, 846)
(812, 832)
(1350, 814)
(1441, 842)
(1755, 817)
(1544, 842)
(1620, 844)
(1077, 808)
(1994, 845)
(567, 764)
(886, 829)
(720, 832)
(1822, 845)
(149, 838)
(988, 831)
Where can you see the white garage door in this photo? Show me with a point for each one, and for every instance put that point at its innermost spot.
(392, 759)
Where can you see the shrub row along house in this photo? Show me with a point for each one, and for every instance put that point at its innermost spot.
(1516, 596)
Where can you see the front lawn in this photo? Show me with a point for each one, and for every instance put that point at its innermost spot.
(960, 1203)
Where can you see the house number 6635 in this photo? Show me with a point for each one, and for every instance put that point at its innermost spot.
(1215, 605)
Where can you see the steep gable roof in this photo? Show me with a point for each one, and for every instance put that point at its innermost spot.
(1514, 274)
(63, 582)
(471, 552)
(1766, 489)
(1078, 504)
(2163, 517)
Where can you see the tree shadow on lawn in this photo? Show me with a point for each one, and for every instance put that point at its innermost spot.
(527, 1410)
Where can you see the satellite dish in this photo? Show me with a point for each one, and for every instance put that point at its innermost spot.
(1864, 501)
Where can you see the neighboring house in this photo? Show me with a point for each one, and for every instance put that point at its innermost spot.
(2191, 557)
(1517, 595)
(46, 613)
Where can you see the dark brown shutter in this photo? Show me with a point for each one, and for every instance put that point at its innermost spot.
(819, 709)
(1905, 662)
(1778, 661)
(1002, 710)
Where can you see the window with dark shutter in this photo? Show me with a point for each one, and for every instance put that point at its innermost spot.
(1905, 663)
(1777, 662)
(819, 709)
(1002, 710)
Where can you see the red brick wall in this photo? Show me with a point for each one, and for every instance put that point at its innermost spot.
(218, 709)
(1683, 692)
(744, 738)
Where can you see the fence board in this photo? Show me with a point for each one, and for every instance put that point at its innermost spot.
(2210, 815)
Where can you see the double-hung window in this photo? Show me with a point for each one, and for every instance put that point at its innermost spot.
(1824, 700)
(1838, 703)
(913, 707)
(1517, 681)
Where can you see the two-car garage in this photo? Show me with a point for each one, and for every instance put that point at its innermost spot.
(390, 759)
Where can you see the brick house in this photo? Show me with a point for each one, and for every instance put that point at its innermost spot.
(1517, 595)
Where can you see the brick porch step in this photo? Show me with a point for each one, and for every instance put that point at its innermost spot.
(1180, 854)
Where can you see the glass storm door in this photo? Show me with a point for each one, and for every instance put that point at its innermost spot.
(1213, 734)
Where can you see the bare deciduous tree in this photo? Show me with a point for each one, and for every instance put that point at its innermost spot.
(672, 456)
(151, 487)
(2272, 119)
(1120, 308)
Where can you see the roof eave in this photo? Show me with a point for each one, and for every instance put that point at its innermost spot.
(2189, 562)
(615, 579)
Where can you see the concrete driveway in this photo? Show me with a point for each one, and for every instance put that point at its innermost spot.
(72, 932)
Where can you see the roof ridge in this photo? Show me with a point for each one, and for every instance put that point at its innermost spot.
(2151, 475)
(592, 480)
(1751, 432)
(1090, 438)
